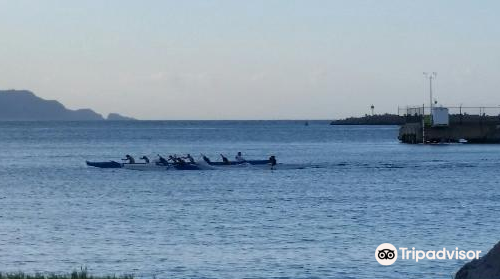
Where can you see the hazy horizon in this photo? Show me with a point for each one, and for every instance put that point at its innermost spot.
(250, 60)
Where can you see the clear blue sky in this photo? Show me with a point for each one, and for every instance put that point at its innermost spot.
(265, 59)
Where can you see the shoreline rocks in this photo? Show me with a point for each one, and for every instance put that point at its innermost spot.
(486, 267)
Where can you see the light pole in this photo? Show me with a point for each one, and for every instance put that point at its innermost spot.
(430, 76)
(372, 108)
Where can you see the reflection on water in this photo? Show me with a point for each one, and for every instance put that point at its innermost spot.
(57, 214)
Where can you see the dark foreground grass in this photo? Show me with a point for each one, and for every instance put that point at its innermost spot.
(83, 274)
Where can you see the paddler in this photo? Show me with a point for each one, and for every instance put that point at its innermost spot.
(162, 160)
(130, 159)
(176, 160)
(172, 158)
(272, 161)
(146, 159)
(180, 161)
(225, 160)
(239, 158)
(190, 158)
(206, 159)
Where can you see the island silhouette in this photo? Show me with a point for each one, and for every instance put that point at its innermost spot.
(24, 105)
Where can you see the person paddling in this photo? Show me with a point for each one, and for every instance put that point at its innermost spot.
(180, 161)
(146, 159)
(272, 162)
(130, 159)
(206, 159)
(190, 158)
(224, 160)
(162, 161)
(172, 159)
(239, 158)
(176, 160)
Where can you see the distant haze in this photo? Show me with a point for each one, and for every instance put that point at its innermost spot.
(257, 59)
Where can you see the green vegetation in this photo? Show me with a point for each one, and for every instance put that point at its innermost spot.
(377, 119)
(83, 274)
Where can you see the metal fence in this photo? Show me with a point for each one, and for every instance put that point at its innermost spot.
(457, 113)
(453, 110)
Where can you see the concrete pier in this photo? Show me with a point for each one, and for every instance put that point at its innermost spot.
(472, 131)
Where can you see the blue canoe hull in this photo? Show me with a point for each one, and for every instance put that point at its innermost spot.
(116, 165)
(251, 162)
(105, 165)
(186, 167)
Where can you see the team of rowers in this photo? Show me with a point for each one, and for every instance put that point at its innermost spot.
(188, 159)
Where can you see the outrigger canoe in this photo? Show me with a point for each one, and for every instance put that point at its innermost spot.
(201, 165)
(142, 166)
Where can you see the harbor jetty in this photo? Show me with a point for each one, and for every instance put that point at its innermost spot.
(450, 124)
(373, 119)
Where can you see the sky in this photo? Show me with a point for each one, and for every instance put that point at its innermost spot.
(259, 59)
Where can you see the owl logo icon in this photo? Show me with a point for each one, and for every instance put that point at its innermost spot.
(386, 254)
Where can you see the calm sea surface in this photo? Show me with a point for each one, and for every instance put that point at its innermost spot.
(56, 214)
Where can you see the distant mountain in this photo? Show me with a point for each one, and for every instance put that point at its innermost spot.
(118, 117)
(24, 105)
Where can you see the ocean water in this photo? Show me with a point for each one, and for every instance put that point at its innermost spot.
(58, 215)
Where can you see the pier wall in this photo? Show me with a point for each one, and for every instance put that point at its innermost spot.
(471, 131)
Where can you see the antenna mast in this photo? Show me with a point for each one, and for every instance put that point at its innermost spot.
(430, 76)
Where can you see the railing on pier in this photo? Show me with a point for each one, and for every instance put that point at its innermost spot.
(458, 114)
